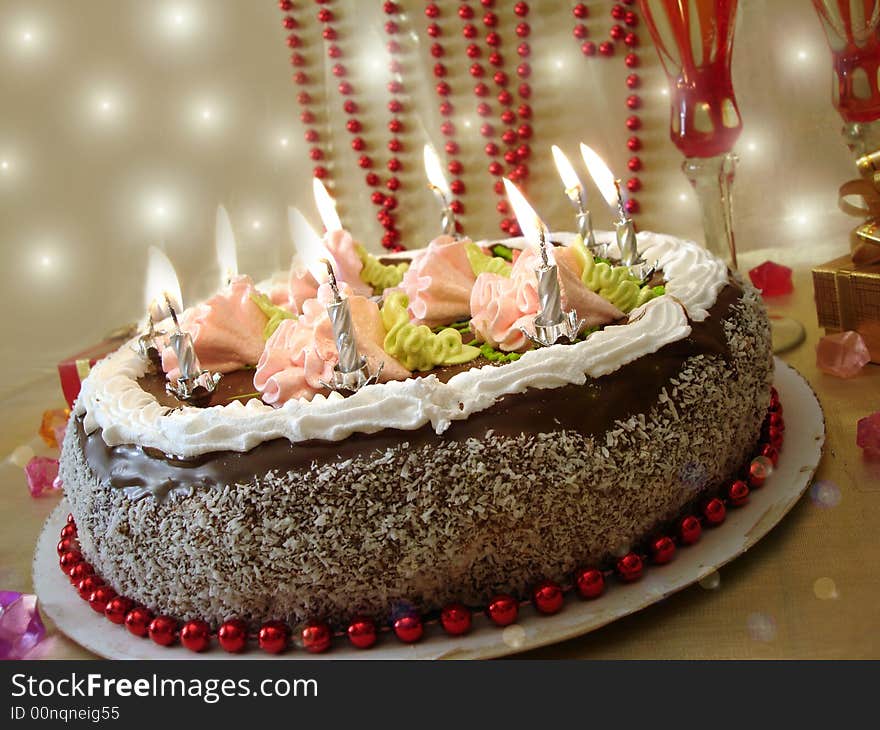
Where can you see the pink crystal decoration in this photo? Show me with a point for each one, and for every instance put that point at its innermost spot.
(21, 627)
(868, 435)
(772, 279)
(842, 354)
(41, 473)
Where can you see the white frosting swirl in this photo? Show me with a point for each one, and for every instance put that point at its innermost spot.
(112, 400)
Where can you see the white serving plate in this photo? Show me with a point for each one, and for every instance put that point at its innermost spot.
(804, 437)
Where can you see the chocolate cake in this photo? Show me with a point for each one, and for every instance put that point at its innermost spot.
(449, 485)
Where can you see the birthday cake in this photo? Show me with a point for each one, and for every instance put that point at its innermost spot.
(471, 465)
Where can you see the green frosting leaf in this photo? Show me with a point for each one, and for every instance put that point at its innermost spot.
(481, 262)
(378, 275)
(276, 315)
(415, 345)
(502, 251)
(613, 283)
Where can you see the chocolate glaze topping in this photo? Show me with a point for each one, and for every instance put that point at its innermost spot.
(591, 409)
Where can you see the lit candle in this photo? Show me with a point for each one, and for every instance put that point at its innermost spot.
(609, 186)
(352, 373)
(574, 190)
(551, 324)
(438, 185)
(224, 243)
(161, 281)
(163, 291)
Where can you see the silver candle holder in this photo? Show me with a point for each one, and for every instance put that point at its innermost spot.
(438, 185)
(552, 325)
(147, 345)
(627, 242)
(352, 371)
(447, 217)
(193, 385)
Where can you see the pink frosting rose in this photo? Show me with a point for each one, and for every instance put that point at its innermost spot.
(302, 352)
(501, 306)
(438, 283)
(227, 330)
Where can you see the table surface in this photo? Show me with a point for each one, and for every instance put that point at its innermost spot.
(809, 589)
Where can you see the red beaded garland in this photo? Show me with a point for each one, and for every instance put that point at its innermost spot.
(69, 559)
(689, 530)
(662, 550)
(117, 609)
(86, 586)
(456, 619)
(80, 571)
(274, 637)
(757, 475)
(65, 544)
(503, 610)
(162, 630)
(714, 511)
(138, 620)
(316, 637)
(548, 597)
(69, 530)
(738, 493)
(629, 568)
(195, 635)
(771, 452)
(409, 629)
(590, 582)
(362, 633)
(100, 597)
(232, 635)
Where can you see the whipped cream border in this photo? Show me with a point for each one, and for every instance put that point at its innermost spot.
(112, 400)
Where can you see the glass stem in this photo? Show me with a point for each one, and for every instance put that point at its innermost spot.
(862, 138)
(711, 178)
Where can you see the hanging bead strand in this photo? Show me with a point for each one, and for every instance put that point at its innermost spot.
(444, 92)
(301, 78)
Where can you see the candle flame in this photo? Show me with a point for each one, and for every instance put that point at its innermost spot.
(326, 207)
(162, 286)
(309, 247)
(601, 174)
(224, 242)
(569, 177)
(434, 171)
(533, 228)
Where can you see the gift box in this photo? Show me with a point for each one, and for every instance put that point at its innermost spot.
(848, 298)
(73, 370)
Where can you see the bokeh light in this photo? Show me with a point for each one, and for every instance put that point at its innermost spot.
(825, 589)
(825, 494)
(761, 627)
(514, 636)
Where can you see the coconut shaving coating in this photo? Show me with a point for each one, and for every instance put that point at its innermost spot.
(434, 523)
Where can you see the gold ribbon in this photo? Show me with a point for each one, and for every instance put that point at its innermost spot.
(866, 239)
